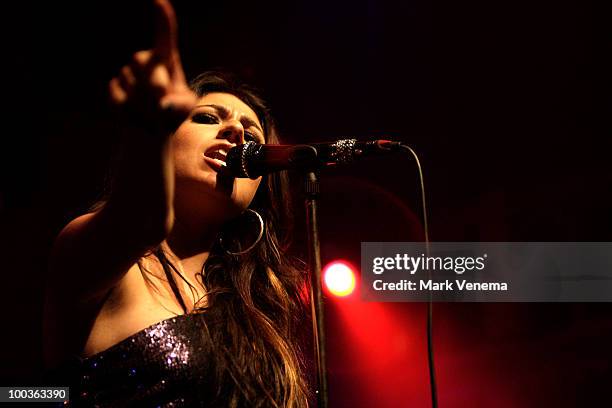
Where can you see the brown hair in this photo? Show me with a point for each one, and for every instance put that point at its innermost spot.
(254, 303)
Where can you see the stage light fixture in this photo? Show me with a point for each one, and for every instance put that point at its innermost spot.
(339, 278)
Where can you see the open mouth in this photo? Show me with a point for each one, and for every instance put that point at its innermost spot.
(216, 156)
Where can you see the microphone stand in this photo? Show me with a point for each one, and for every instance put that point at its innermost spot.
(316, 299)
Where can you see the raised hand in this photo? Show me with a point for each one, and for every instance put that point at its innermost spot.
(152, 88)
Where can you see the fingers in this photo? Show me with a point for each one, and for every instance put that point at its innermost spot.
(141, 60)
(144, 75)
(126, 78)
(166, 34)
(150, 74)
(117, 94)
(144, 89)
(132, 77)
(154, 79)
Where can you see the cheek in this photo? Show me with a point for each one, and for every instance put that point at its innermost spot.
(186, 153)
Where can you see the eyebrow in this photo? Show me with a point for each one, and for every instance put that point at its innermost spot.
(225, 112)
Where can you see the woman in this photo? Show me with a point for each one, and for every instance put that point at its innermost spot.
(175, 290)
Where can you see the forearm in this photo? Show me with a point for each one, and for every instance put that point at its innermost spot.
(94, 251)
(140, 203)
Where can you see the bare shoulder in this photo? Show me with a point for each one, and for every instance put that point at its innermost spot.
(97, 292)
(67, 257)
(76, 225)
(85, 266)
(73, 326)
(128, 308)
(92, 254)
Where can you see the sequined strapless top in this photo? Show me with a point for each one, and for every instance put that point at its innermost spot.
(164, 365)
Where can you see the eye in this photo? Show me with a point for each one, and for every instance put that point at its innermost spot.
(251, 137)
(205, 118)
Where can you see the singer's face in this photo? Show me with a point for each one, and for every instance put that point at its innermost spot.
(218, 122)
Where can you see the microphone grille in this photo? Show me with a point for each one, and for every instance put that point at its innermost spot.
(237, 159)
(343, 151)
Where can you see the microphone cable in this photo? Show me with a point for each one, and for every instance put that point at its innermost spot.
(430, 351)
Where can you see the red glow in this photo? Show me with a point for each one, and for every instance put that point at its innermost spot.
(339, 278)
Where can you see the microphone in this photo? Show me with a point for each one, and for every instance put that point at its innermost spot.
(251, 160)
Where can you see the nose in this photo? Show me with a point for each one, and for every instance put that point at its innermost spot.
(233, 132)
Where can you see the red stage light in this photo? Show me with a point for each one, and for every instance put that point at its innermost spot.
(339, 278)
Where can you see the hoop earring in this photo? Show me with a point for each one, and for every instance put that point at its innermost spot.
(250, 247)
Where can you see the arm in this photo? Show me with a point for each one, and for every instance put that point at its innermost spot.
(94, 251)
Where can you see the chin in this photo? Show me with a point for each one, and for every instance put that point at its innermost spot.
(225, 197)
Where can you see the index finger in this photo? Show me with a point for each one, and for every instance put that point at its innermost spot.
(166, 29)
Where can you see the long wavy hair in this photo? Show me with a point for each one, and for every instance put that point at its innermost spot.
(254, 304)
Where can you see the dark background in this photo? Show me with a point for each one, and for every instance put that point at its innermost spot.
(507, 104)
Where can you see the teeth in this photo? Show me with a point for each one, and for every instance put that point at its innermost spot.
(221, 162)
(218, 155)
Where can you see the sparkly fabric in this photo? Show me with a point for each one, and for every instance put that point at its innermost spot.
(164, 365)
